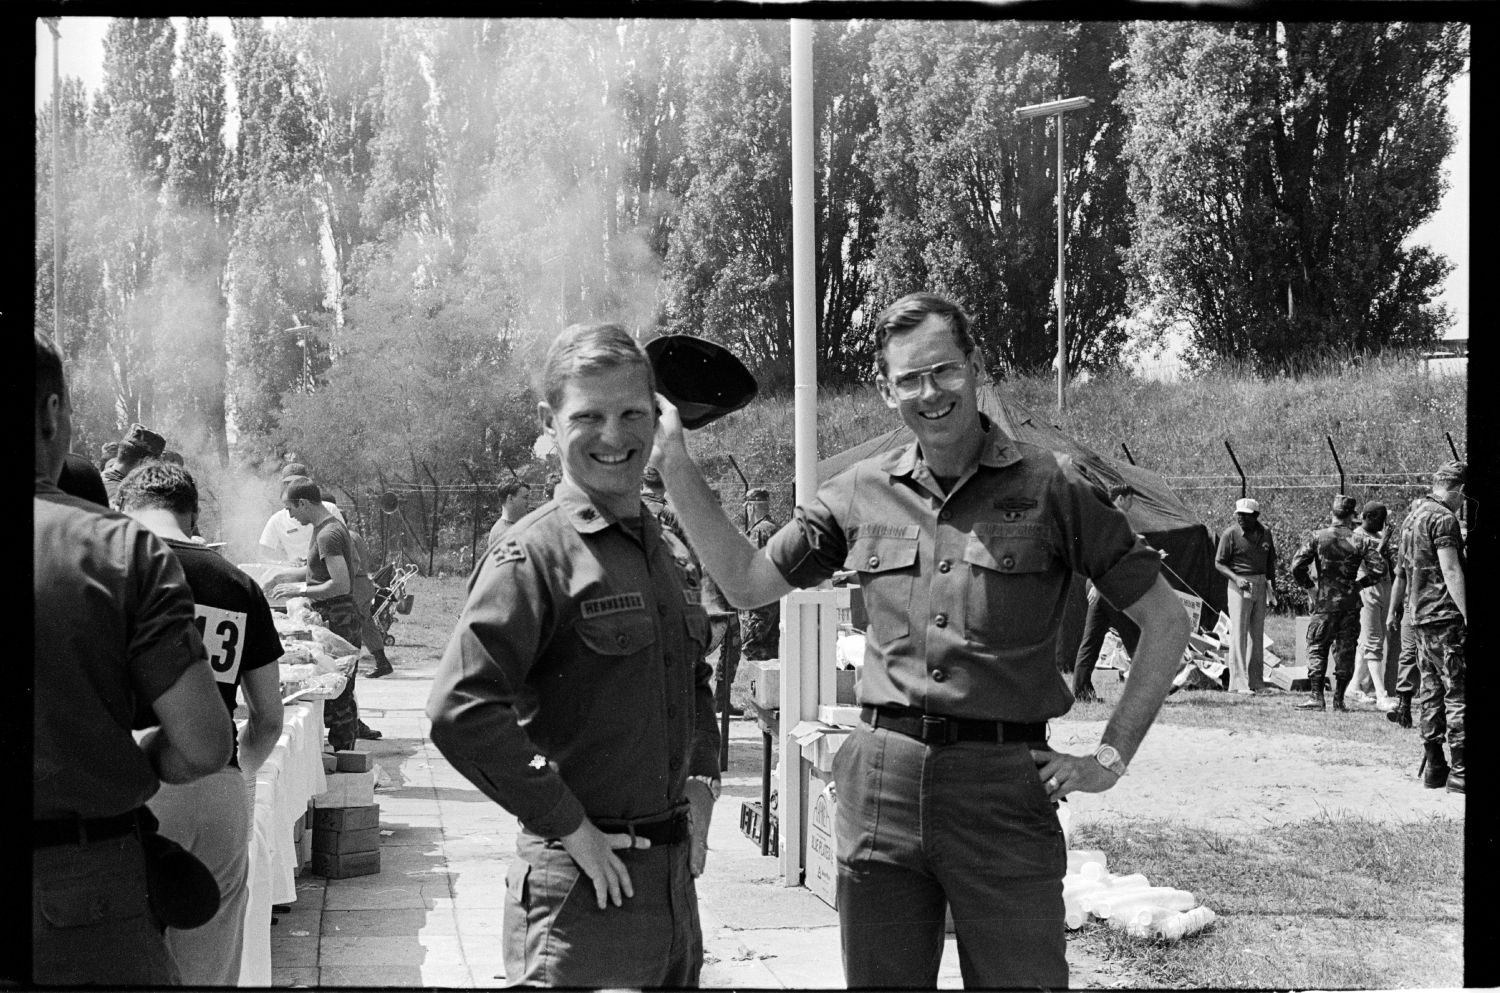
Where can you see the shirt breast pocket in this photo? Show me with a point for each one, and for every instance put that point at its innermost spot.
(887, 567)
(616, 637)
(1015, 582)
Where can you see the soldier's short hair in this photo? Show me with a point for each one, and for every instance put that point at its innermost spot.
(511, 487)
(913, 309)
(587, 349)
(1453, 473)
(159, 484)
(1343, 506)
(1374, 514)
(296, 488)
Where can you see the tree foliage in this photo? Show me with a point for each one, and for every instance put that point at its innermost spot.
(1277, 170)
(355, 237)
(969, 194)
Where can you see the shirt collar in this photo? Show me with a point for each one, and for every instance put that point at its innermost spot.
(997, 452)
(586, 516)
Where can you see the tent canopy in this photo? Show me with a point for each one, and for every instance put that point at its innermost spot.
(1153, 509)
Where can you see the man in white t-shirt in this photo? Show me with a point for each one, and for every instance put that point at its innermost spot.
(283, 539)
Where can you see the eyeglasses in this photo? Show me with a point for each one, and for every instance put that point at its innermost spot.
(944, 376)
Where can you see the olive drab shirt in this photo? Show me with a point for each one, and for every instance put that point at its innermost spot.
(965, 591)
(1339, 553)
(1429, 526)
(575, 681)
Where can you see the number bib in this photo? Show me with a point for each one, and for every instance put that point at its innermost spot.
(222, 631)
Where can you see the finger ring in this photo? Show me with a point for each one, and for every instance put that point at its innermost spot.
(1052, 784)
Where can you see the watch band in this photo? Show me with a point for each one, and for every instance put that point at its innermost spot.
(1110, 757)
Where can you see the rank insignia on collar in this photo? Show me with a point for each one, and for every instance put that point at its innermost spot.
(509, 550)
(1015, 503)
(587, 513)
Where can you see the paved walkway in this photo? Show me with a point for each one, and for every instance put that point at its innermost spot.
(431, 917)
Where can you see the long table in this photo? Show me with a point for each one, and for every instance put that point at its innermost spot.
(291, 776)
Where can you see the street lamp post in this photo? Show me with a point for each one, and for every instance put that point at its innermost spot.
(1057, 108)
(301, 330)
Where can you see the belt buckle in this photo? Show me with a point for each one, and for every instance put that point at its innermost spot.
(936, 730)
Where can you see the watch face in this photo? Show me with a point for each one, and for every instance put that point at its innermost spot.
(1110, 759)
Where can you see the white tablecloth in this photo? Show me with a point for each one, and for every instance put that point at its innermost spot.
(291, 776)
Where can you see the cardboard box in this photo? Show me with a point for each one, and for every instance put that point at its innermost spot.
(352, 761)
(346, 818)
(846, 715)
(822, 872)
(765, 682)
(346, 842)
(345, 866)
(330, 762)
(819, 743)
(1301, 624)
(348, 789)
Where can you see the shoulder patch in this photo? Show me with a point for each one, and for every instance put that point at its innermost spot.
(508, 550)
(617, 604)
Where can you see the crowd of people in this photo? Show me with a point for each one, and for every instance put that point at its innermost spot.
(146, 642)
(575, 690)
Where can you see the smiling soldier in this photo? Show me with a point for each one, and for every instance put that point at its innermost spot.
(574, 693)
(965, 543)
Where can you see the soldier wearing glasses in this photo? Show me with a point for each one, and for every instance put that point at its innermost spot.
(965, 543)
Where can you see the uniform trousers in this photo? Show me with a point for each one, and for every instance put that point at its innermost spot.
(341, 714)
(1247, 634)
(1373, 651)
(1440, 658)
(1325, 628)
(90, 922)
(1407, 677)
(967, 826)
(556, 935)
(208, 818)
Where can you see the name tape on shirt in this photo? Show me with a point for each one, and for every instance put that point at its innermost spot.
(617, 604)
(223, 633)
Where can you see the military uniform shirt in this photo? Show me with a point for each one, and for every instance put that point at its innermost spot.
(1429, 526)
(113, 629)
(965, 592)
(575, 681)
(1339, 554)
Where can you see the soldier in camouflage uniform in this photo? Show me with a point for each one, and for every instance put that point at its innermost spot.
(1430, 578)
(1339, 553)
(761, 627)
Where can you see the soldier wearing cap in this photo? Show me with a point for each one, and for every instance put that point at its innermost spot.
(966, 542)
(574, 693)
(760, 628)
(1246, 556)
(1430, 579)
(1341, 557)
(139, 444)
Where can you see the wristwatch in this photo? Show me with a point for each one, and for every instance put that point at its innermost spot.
(1107, 756)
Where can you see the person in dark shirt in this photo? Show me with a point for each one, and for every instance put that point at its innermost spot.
(112, 633)
(327, 580)
(211, 817)
(1247, 557)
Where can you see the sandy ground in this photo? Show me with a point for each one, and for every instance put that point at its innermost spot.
(1234, 782)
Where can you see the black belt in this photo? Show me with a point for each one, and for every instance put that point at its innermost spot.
(933, 729)
(670, 830)
(80, 830)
